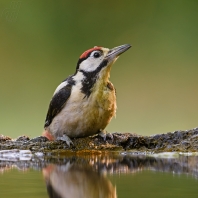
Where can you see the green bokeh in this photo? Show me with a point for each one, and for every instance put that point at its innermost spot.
(156, 80)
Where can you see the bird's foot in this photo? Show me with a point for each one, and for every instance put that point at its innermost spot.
(104, 135)
(66, 139)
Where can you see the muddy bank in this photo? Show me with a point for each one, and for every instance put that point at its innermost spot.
(182, 141)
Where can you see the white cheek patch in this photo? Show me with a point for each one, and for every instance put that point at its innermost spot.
(90, 64)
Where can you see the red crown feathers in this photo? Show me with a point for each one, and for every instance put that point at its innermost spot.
(84, 55)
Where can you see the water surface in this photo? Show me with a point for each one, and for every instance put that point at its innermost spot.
(100, 176)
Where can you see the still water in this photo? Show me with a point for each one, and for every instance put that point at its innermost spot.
(98, 176)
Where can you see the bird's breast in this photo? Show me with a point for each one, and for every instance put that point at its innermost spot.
(83, 115)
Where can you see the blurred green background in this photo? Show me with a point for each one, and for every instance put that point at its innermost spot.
(156, 80)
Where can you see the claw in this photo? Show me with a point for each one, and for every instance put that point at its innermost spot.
(109, 135)
(66, 139)
(104, 135)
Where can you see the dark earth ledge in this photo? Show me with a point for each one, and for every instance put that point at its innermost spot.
(180, 141)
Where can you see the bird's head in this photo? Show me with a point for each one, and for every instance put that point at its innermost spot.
(99, 59)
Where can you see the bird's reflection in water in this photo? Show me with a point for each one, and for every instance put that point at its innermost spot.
(75, 180)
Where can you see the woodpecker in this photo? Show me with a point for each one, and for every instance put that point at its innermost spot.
(85, 102)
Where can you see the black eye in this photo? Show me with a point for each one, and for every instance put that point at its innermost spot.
(97, 54)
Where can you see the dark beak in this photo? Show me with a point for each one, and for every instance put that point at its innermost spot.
(117, 51)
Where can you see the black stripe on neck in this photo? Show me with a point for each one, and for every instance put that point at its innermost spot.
(90, 78)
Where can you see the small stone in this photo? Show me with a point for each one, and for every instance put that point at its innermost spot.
(23, 138)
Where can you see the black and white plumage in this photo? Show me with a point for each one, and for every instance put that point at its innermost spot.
(84, 103)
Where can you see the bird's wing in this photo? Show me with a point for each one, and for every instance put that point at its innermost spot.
(57, 103)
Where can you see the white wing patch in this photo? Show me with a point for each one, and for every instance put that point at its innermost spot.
(63, 84)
